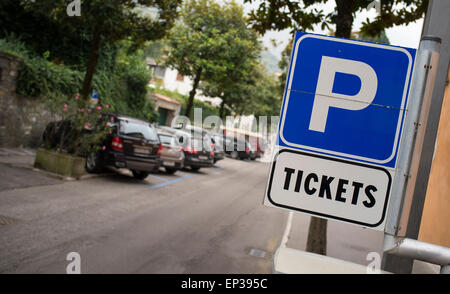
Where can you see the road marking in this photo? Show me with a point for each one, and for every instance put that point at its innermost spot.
(171, 181)
(287, 230)
(158, 177)
(258, 253)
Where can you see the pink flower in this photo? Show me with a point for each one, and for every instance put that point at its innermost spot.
(89, 111)
(99, 116)
(107, 124)
(110, 132)
(87, 125)
(99, 108)
(81, 110)
(65, 105)
(77, 96)
(107, 105)
(103, 148)
(111, 118)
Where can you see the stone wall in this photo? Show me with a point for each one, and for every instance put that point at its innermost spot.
(22, 119)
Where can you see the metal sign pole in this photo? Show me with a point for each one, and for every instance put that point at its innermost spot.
(437, 24)
(415, 123)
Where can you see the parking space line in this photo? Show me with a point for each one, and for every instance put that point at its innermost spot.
(158, 177)
(171, 181)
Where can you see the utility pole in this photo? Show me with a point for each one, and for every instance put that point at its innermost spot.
(437, 24)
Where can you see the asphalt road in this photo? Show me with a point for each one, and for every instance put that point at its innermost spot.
(212, 221)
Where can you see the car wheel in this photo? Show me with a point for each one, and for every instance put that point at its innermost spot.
(195, 168)
(93, 163)
(140, 175)
(234, 155)
(170, 171)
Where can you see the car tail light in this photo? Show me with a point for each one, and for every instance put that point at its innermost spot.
(247, 150)
(117, 144)
(190, 150)
(159, 150)
(211, 153)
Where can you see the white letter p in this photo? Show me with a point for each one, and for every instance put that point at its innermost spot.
(325, 98)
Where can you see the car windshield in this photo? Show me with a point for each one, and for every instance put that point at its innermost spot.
(138, 129)
(168, 140)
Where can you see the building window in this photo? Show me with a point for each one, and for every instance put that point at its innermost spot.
(180, 77)
(160, 72)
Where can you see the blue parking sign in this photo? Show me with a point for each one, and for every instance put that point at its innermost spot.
(346, 98)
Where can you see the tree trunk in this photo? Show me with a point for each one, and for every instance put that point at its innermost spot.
(317, 235)
(192, 92)
(344, 18)
(91, 67)
(222, 108)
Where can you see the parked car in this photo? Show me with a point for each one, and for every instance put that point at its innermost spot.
(216, 141)
(198, 152)
(172, 154)
(258, 145)
(133, 144)
(253, 153)
(218, 147)
(236, 148)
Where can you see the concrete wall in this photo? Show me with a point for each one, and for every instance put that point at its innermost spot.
(22, 119)
(435, 224)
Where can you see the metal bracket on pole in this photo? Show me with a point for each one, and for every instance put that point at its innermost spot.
(418, 250)
(422, 86)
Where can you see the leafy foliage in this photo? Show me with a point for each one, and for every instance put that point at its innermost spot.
(107, 22)
(305, 14)
(212, 43)
(121, 80)
(80, 130)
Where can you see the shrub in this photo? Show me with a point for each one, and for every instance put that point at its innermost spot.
(121, 78)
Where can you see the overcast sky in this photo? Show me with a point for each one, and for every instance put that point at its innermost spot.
(406, 36)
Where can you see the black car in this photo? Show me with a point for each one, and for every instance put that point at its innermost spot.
(218, 147)
(237, 148)
(197, 149)
(132, 144)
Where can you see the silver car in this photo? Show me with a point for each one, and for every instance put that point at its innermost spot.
(171, 153)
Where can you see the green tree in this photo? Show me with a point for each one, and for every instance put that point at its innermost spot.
(264, 98)
(212, 42)
(108, 22)
(255, 93)
(304, 15)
